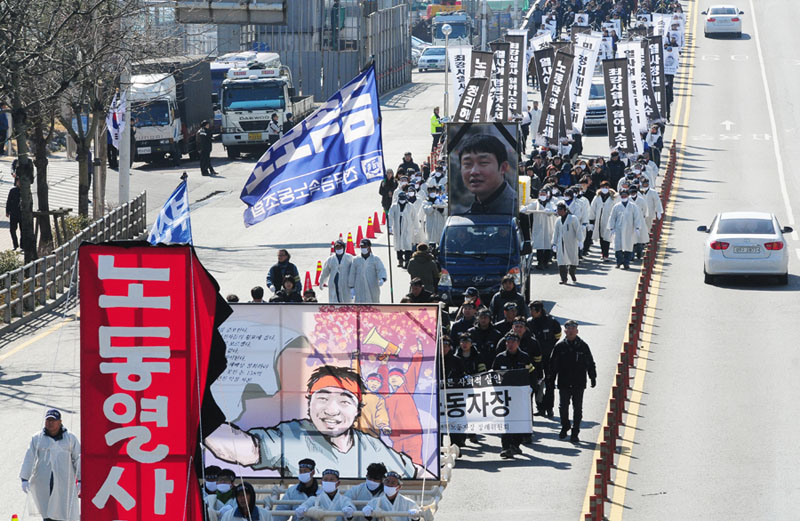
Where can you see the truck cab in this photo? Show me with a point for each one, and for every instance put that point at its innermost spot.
(477, 251)
(461, 25)
(155, 117)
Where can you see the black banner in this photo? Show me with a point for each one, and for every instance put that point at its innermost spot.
(516, 76)
(620, 131)
(656, 66)
(543, 63)
(578, 29)
(552, 108)
(468, 106)
(482, 68)
(650, 105)
(500, 79)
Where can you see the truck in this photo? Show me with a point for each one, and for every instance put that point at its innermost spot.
(461, 29)
(169, 98)
(250, 96)
(478, 251)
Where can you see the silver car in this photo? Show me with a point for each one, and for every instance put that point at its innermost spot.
(432, 58)
(745, 243)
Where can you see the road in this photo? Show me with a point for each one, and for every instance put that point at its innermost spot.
(715, 420)
(39, 367)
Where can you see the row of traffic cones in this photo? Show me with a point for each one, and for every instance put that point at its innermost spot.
(373, 228)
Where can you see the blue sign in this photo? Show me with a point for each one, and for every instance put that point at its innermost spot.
(337, 148)
(173, 224)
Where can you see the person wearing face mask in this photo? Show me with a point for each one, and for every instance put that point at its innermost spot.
(372, 486)
(210, 480)
(566, 242)
(224, 500)
(624, 222)
(543, 213)
(246, 507)
(392, 501)
(435, 211)
(330, 499)
(437, 179)
(387, 189)
(579, 207)
(616, 168)
(367, 275)
(599, 214)
(649, 166)
(418, 229)
(643, 235)
(654, 143)
(625, 181)
(337, 269)
(403, 225)
(307, 485)
(650, 195)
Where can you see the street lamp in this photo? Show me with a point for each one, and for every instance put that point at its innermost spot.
(446, 30)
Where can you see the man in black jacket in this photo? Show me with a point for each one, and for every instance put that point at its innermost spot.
(512, 358)
(408, 164)
(616, 168)
(484, 336)
(13, 212)
(570, 362)
(508, 293)
(463, 324)
(418, 294)
(203, 140)
(546, 330)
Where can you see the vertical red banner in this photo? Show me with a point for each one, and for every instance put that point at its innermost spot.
(147, 320)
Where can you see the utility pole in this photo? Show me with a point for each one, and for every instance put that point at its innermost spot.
(483, 26)
(125, 141)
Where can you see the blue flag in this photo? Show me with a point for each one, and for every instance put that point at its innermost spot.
(337, 148)
(173, 224)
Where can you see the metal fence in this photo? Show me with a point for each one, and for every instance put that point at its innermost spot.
(45, 283)
(389, 42)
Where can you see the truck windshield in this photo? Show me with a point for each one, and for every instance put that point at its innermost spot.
(253, 96)
(598, 91)
(150, 114)
(479, 240)
(459, 30)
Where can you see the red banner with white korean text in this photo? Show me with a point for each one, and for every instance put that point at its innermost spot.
(148, 321)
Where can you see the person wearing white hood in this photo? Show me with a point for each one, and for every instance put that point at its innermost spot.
(307, 485)
(330, 499)
(337, 269)
(642, 236)
(566, 242)
(50, 470)
(599, 213)
(655, 142)
(625, 222)
(655, 209)
(367, 275)
(392, 501)
(437, 179)
(404, 226)
(435, 212)
(543, 211)
(579, 207)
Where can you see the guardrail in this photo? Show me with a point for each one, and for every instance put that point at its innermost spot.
(626, 366)
(43, 284)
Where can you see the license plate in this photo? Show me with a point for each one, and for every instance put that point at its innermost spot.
(143, 150)
(746, 249)
(254, 136)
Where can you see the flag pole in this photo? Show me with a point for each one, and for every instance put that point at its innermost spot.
(389, 247)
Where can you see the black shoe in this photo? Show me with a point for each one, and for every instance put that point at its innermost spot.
(549, 413)
(515, 450)
(627, 266)
(563, 434)
(573, 278)
(506, 454)
(204, 174)
(574, 438)
(540, 412)
(473, 438)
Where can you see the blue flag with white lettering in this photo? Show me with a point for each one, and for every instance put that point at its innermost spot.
(173, 224)
(337, 148)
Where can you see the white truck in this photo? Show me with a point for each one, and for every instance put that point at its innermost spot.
(250, 96)
(169, 99)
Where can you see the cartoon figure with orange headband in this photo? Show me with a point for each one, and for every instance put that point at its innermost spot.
(329, 434)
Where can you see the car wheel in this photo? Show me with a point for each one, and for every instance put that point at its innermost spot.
(708, 279)
(739, 34)
(783, 280)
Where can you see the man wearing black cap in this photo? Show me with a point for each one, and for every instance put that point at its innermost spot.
(337, 268)
(306, 486)
(469, 355)
(51, 469)
(512, 358)
(485, 336)
(507, 293)
(418, 294)
(546, 330)
(408, 164)
(203, 140)
(467, 320)
(330, 499)
(570, 363)
(510, 312)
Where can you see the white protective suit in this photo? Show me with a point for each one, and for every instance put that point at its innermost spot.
(366, 276)
(293, 493)
(580, 209)
(401, 503)
(567, 240)
(62, 458)
(405, 226)
(600, 212)
(644, 232)
(653, 204)
(542, 228)
(439, 182)
(360, 493)
(332, 267)
(264, 515)
(434, 220)
(324, 502)
(624, 221)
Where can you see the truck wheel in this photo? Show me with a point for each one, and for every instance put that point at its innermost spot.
(176, 156)
(233, 153)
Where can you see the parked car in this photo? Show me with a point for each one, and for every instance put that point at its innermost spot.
(432, 58)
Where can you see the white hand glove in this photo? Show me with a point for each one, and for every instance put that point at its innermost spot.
(271, 288)
(590, 227)
(26, 487)
(367, 510)
(381, 281)
(555, 248)
(413, 512)
(658, 216)
(348, 511)
(300, 511)
(225, 509)
(637, 230)
(78, 485)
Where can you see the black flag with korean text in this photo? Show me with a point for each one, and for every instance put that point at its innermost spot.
(618, 105)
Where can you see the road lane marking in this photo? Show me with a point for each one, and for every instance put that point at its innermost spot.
(775, 142)
(35, 339)
(797, 251)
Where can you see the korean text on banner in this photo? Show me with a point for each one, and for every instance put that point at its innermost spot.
(347, 385)
(173, 224)
(587, 47)
(335, 149)
(495, 402)
(550, 124)
(460, 60)
(148, 319)
(518, 69)
(499, 83)
(620, 129)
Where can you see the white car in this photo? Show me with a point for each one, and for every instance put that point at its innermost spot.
(432, 58)
(596, 108)
(745, 243)
(723, 19)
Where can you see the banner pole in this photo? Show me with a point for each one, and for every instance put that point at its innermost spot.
(389, 248)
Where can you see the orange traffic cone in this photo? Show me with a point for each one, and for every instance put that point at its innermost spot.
(332, 247)
(319, 272)
(307, 284)
(370, 229)
(14, 517)
(359, 236)
(350, 248)
(340, 237)
(383, 219)
(376, 225)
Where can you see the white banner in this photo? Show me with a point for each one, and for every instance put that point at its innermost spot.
(672, 59)
(539, 42)
(614, 25)
(523, 72)
(459, 58)
(632, 50)
(482, 405)
(661, 23)
(587, 47)
(115, 120)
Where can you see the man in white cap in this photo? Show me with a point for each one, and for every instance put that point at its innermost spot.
(51, 467)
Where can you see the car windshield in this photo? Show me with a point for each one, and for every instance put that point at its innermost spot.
(722, 10)
(746, 226)
(253, 96)
(598, 91)
(459, 30)
(433, 51)
(478, 240)
(150, 114)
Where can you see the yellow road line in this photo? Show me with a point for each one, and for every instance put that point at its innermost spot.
(682, 111)
(38, 337)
